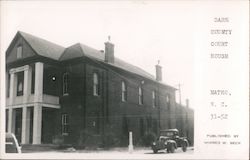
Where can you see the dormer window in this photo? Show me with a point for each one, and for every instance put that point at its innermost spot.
(19, 53)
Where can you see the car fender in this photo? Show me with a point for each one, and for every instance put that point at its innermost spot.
(186, 141)
(12, 142)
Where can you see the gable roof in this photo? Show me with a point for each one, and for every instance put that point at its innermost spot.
(43, 47)
(81, 50)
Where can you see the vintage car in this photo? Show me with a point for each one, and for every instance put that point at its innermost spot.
(169, 139)
(11, 144)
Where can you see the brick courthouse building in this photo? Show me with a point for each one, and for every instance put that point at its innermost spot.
(54, 92)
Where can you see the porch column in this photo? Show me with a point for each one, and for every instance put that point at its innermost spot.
(28, 125)
(26, 94)
(7, 83)
(37, 124)
(27, 84)
(10, 120)
(24, 126)
(12, 79)
(38, 82)
(38, 98)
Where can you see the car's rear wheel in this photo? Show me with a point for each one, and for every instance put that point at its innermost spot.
(184, 146)
(155, 150)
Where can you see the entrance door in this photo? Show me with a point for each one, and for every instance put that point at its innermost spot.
(48, 125)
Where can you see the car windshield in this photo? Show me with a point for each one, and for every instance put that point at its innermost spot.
(167, 133)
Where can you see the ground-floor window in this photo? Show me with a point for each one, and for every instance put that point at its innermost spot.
(65, 124)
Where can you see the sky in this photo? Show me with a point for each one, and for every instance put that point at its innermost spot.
(143, 32)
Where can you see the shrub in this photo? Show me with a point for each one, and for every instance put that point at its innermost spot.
(83, 138)
(147, 139)
(58, 140)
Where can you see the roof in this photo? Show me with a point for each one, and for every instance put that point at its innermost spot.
(43, 47)
(54, 51)
(81, 50)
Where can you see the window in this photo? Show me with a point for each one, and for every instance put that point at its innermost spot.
(19, 52)
(124, 91)
(65, 124)
(153, 99)
(96, 85)
(20, 76)
(167, 98)
(65, 83)
(140, 96)
(168, 101)
(33, 79)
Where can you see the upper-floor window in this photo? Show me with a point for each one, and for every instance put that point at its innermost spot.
(153, 99)
(96, 85)
(20, 77)
(167, 98)
(140, 96)
(168, 101)
(65, 83)
(19, 52)
(65, 124)
(124, 91)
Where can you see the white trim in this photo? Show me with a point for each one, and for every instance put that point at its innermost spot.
(32, 104)
(19, 69)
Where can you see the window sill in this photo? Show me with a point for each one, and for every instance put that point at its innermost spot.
(65, 94)
(65, 134)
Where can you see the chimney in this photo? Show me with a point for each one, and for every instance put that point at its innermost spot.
(109, 52)
(187, 103)
(158, 72)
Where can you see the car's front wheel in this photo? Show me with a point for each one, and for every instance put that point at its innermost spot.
(171, 148)
(184, 146)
